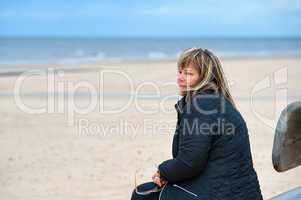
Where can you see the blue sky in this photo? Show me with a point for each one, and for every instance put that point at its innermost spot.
(207, 18)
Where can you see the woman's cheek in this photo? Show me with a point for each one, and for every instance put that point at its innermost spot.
(191, 80)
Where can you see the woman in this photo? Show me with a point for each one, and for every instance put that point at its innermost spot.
(211, 150)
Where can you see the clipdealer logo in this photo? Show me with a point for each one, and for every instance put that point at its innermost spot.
(61, 94)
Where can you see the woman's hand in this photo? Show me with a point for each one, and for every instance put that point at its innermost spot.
(156, 179)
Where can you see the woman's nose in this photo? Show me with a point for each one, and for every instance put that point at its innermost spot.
(180, 77)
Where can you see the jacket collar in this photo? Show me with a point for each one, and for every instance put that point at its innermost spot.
(180, 105)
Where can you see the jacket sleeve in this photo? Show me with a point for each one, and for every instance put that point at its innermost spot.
(194, 146)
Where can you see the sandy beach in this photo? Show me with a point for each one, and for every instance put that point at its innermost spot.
(104, 121)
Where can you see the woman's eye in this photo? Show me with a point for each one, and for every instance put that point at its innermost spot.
(189, 73)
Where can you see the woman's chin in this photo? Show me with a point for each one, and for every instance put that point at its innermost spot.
(181, 92)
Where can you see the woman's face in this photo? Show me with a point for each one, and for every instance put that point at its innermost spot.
(188, 77)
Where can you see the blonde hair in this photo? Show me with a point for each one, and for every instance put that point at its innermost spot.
(209, 66)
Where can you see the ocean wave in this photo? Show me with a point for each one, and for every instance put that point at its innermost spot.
(154, 55)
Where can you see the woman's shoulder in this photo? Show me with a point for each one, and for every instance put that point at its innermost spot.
(209, 100)
(215, 105)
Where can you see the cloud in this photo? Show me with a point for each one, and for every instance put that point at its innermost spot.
(174, 10)
(227, 12)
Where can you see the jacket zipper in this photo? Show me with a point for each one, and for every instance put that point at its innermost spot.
(162, 191)
(189, 192)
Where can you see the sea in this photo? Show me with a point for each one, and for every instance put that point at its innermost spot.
(91, 50)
